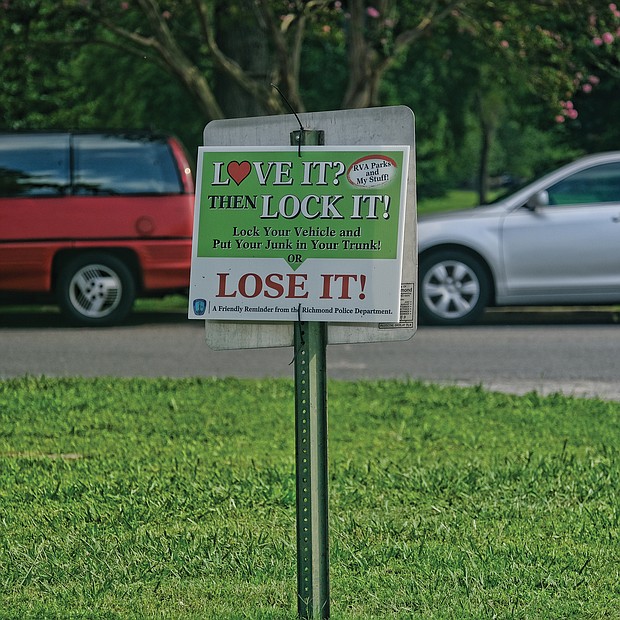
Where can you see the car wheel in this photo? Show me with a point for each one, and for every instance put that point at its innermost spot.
(454, 289)
(96, 289)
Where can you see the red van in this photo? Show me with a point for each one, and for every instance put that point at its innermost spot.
(94, 220)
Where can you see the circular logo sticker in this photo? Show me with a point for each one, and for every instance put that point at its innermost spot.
(371, 171)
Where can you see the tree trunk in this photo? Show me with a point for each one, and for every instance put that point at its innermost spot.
(358, 93)
(483, 164)
(489, 106)
(366, 64)
(244, 41)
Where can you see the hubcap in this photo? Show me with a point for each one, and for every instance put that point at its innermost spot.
(95, 291)
(450, 289)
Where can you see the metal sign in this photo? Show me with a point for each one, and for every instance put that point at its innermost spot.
(283, 233)
(387, 127)
(333, 219)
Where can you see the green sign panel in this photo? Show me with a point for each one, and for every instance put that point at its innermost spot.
(322, 204)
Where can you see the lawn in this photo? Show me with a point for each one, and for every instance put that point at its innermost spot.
(451, 200)
(175, 499)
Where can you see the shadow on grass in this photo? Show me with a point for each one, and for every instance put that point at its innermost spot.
(582, 315)
(49, 318)
(42, 317)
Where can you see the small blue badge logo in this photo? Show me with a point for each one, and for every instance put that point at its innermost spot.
(200, 306)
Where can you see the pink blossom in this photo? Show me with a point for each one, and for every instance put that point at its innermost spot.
(372, 12)
(504, 44)
(587, 88)
(327, 28)
(559, 118)
(568, 105)
(612, 7)
(597, 41)
(594, 79)
(608, 38)
(166, 14)
(124, 6)
(572, 114)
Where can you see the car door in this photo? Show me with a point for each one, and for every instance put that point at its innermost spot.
(569, 249)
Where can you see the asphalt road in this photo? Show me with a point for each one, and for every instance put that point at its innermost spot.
(575, 353)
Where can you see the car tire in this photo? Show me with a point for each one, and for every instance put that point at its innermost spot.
(96, 289)
(454, 288)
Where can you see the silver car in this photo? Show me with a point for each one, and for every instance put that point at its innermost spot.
(554, 242)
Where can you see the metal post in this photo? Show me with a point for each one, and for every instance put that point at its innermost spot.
(311, 472)
(310, 343)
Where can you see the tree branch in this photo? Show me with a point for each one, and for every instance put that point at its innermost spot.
(227, 65)
(173, 57)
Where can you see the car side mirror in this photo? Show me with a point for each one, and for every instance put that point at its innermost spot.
(539, 199)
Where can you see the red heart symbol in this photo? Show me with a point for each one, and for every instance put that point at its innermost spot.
(238, 170)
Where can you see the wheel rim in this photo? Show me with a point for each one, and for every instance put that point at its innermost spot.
(95, 291)
(450, 289)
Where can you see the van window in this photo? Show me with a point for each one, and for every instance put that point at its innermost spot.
(34, 165)
(112, 164)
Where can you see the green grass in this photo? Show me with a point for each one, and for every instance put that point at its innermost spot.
(452, 200)
(138, 499)
(169, 303)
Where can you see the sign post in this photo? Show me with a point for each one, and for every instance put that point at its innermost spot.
(310, 346)
(311, 471)
(307, 245)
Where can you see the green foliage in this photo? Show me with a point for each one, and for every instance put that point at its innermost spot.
(500, 71)
(176, 499)
(321, 92)
(136, 94)
(594, 129)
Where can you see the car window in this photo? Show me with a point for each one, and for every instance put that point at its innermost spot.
(108, 165)
(594, 185)
(34, 165)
